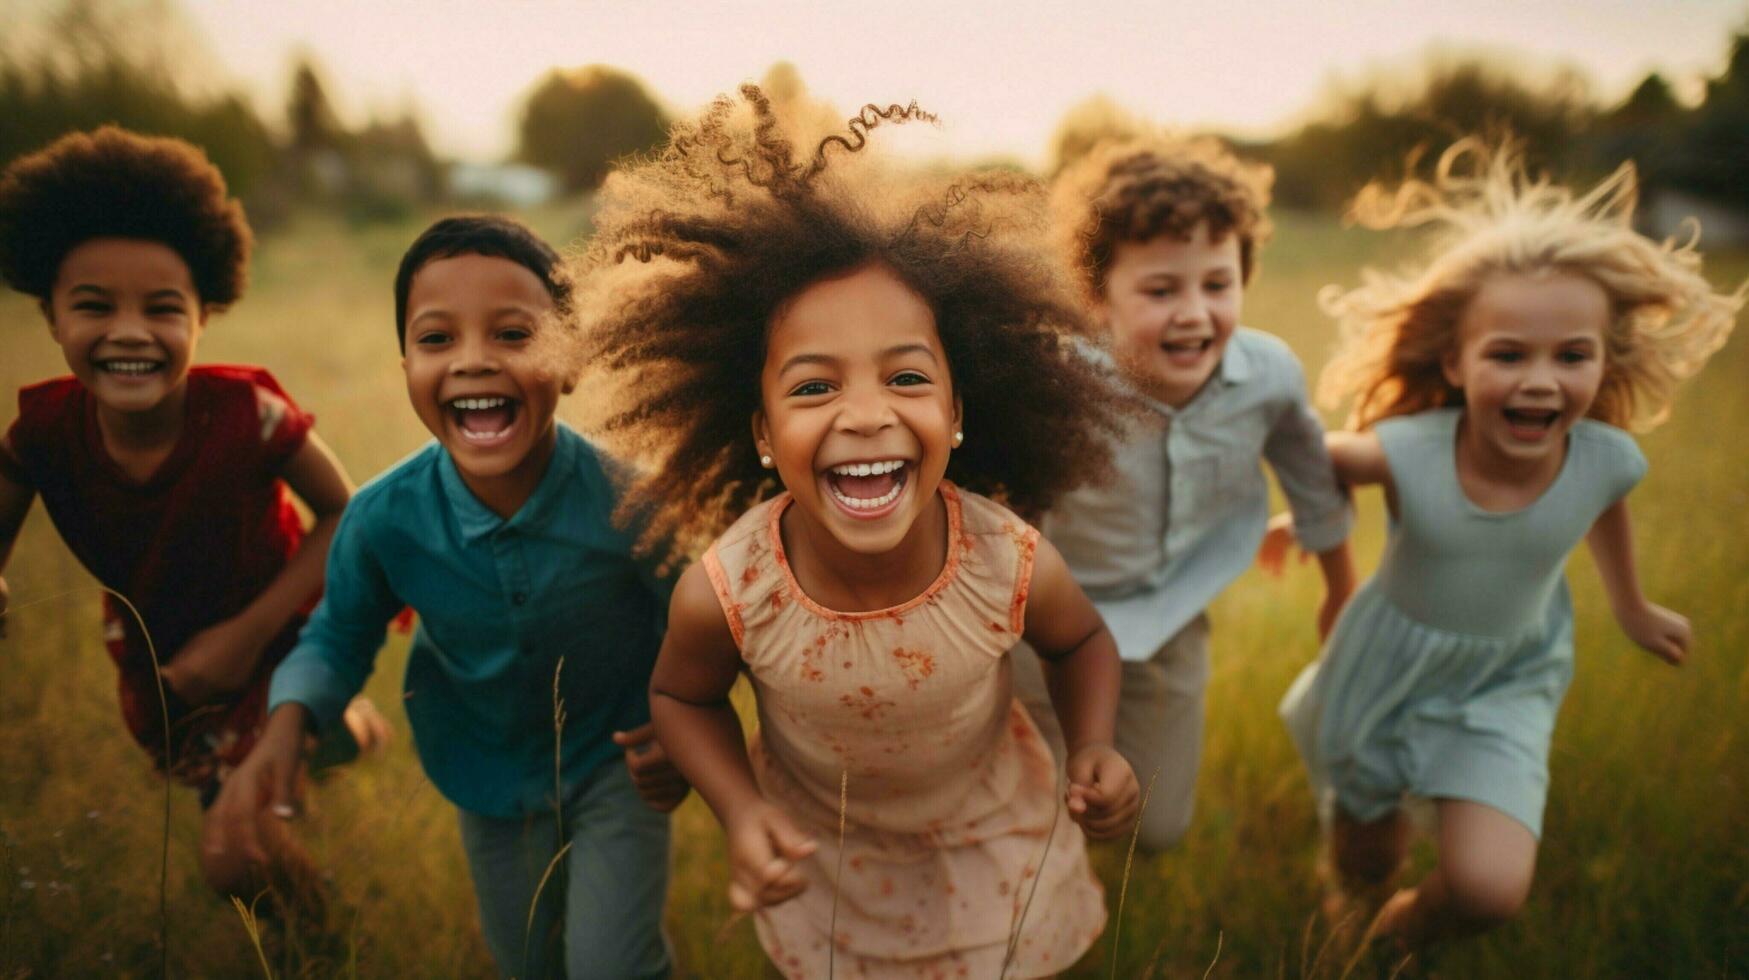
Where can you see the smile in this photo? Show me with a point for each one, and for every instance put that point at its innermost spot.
(483, 420)
(1187, 351)
(867, 490)
(1530, 424)
(129, 368)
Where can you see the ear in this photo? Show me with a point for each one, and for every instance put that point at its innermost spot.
(761, 433)
(206, 312)
(48, 312)
(959, 414)
(570, 383)
(1448, 366)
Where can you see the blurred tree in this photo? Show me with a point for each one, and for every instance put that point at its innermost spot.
(1714, 154)
(313, 122)
(576, 123)
(1086, 124)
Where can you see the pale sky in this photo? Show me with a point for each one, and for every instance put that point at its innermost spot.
(1000, 75)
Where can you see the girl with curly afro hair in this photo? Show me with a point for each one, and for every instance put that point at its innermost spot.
(1491, 384)
(860, 360)
(168, 481)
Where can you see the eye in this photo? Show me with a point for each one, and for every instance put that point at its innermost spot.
(164, 309)
(1158, 292)
(1218, 286)
(1574, 356)
(92, 306)
(431, 338)
(908, 378)
(515, 335)
(809, 389)
(1504, 356)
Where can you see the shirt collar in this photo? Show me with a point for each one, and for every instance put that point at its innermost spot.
(477, 520)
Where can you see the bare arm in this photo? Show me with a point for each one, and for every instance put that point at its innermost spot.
(224, 656)
(1358, 457)
(15, 501)
(1083, 673)
(1660, 631)
(689, 705)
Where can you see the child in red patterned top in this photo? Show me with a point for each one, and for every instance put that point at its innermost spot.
(168, 482)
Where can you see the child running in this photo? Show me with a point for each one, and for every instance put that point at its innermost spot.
(167, 481)
(1163, 237)
(530, 604)
(1490, 391)
(885, 354)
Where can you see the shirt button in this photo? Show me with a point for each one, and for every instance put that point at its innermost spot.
(518, 598)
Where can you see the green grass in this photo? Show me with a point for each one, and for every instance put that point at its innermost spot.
(1644, 868)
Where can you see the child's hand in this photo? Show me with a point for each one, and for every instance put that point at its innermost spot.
(217, 661)
(764, 848)
(1278, 538)
(1102, 793)
(267, 777)
(1663, 633)
(659, 783)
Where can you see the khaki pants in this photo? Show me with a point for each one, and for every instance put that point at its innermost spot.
(1159, 724)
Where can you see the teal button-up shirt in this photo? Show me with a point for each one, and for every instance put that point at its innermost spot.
(1189, 502)
(500, 603)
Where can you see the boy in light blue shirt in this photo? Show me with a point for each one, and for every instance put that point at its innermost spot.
(500, 535)
(1162, 236)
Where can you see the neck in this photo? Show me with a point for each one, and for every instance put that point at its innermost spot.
(505, 493)
(852, 581)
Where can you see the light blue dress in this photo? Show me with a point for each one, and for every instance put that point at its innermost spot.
(1443, 675)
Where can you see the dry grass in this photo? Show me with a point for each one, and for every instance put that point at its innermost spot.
(1643, 870)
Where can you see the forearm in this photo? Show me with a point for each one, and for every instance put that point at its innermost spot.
(1337, 566)
(704, 742)
(300, 579)
(1084, 686)
(1611, 540)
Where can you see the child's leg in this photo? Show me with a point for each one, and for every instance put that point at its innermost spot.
(618, 881)
(1159, 729)
(1366, 854)
(1486, 863)
(506, 858)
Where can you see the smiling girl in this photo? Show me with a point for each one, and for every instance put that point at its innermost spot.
(858, 361)
(167, 481)
(1490, 390)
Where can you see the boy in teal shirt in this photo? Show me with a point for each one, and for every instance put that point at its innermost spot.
(499, 534)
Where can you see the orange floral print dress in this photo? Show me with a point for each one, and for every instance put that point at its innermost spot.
(952, 794)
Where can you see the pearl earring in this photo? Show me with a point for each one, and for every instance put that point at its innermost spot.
(958, 437)
(765, 461)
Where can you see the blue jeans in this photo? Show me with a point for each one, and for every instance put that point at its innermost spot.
(607, 891)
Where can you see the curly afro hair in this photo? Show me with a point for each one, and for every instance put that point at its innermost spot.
(696, 250)
(112, 183)
(1139, 189)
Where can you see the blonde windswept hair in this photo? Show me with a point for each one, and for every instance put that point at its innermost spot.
(1492, 217)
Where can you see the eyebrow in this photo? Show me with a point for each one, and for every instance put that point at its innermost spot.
(829, 361)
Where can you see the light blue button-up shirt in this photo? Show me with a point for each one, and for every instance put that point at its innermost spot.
(1189, 504)
(500, 601)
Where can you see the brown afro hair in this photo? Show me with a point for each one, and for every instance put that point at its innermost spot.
(112, 183)
(697, 249)
(1139, 189)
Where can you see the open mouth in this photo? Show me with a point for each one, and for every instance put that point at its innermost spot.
(867, 490)
(1530, 424)
(1187, 351)
(131, 367)
(484, 420)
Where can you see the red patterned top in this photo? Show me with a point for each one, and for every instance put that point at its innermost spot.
(190, 546)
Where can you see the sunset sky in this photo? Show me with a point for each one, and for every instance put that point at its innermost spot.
(1000, 75)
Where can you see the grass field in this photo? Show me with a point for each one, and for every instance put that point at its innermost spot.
(1645, 864)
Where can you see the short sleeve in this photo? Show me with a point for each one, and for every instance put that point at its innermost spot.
(283, 425)
(1622, 463)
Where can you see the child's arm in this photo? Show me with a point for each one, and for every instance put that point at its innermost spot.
(1082, 670)
(1659, 630)
(689, 702)
(311, 688)
(1316, 469)
(15, 498)
(221, 658)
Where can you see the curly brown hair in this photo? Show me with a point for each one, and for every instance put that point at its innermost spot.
(113, 183)
(1135, 190)
(1491, 217)
(696, 250)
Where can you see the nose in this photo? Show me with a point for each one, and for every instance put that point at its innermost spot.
(129, 327)
(1190, 310)
(864, 410)
(1540, 375)
(474, 356)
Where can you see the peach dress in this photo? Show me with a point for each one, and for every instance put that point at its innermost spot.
(952, 794)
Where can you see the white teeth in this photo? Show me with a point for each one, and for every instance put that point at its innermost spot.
(871, 503)
(869, 469)
(474, 404)
(130, 367)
